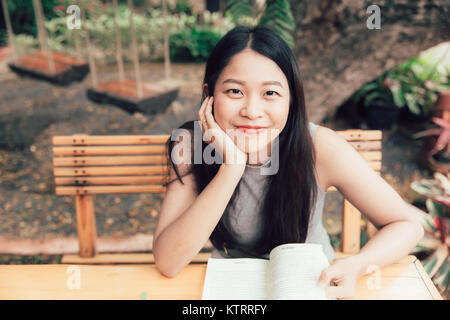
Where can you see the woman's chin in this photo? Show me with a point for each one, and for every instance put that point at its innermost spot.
(253, 148)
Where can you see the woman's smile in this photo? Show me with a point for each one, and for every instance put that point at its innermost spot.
(252, 131)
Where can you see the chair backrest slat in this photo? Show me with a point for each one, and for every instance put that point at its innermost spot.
(90, 190)
(82, 139)
(110, 171)
(104, 161)
(108, 150)
(123, 180)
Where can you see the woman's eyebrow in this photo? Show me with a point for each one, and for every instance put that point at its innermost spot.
(277, 83)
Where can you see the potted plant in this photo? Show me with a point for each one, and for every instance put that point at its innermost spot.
(421, 79)
(433, 249)
(436, 148)
(380, 98)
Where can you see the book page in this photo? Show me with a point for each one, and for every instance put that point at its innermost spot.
(235, 279)
(294, 270)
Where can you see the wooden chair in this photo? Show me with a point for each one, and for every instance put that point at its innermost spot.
(88, 165)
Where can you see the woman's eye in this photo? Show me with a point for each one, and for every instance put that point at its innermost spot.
(275, 93)
(234, 90)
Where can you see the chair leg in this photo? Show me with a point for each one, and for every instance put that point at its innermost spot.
(87, 231)
(351, 228)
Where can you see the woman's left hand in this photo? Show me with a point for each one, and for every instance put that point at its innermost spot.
(339, 279)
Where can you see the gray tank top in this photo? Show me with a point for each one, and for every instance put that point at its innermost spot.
(245, 219)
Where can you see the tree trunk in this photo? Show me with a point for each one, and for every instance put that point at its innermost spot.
(337, 52)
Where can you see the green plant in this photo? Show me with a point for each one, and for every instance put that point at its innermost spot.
(237, 9)
(443, 134)
(415, 83)
(185, 34)
(22, 14)
(194, 44)
(419, 81)
(434, 246)
(278, 16)
(381, 89)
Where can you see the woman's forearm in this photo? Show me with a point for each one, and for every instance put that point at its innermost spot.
(389, 244)
(180, 241)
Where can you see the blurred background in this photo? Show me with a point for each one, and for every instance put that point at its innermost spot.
(389, 72)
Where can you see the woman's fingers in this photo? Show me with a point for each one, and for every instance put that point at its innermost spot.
(325, 277)
(200, 114)
(340, 292)
(208, 113)
(336, 284)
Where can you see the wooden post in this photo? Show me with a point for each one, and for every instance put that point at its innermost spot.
(87, 231)
(92, 68)
(119, 58)
(166, 41)
(9, 29)
(42, 34)
(351, 228)
(135, 51)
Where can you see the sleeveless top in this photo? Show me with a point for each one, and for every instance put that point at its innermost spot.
(245, 217)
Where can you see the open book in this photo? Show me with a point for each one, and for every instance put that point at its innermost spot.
(291, 272)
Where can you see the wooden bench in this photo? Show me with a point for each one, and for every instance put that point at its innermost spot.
(88, 165)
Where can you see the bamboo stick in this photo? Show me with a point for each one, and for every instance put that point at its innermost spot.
(119, 58)
(135, 51)
(76, 37)
(166, 41)
(42, 34)
(92, 68)
(9, 29)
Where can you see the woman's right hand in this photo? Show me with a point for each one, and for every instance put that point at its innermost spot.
(211, 132)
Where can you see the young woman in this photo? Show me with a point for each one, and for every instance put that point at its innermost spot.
(252, 80)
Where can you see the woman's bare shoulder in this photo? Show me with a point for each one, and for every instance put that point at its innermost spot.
(327, 144)
(180, 155)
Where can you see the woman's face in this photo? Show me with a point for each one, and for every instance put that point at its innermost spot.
(252, 91)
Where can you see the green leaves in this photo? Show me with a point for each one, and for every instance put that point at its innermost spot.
(239, 8)
(414, 84)
(435, 223)
(278, 16)
(193, 44)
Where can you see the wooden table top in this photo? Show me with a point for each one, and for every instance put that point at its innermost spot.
(405, 279)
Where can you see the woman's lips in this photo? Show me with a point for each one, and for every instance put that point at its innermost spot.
(248, 130)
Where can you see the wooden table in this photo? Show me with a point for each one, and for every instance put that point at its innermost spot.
(403, 280)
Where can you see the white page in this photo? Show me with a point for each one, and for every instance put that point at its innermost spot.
(235, 279)
(294, 270)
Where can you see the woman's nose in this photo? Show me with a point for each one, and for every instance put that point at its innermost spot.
(252, 108)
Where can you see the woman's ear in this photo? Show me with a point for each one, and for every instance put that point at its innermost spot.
(205, 91)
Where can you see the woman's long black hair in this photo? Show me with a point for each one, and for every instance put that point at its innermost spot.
(292, 192)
